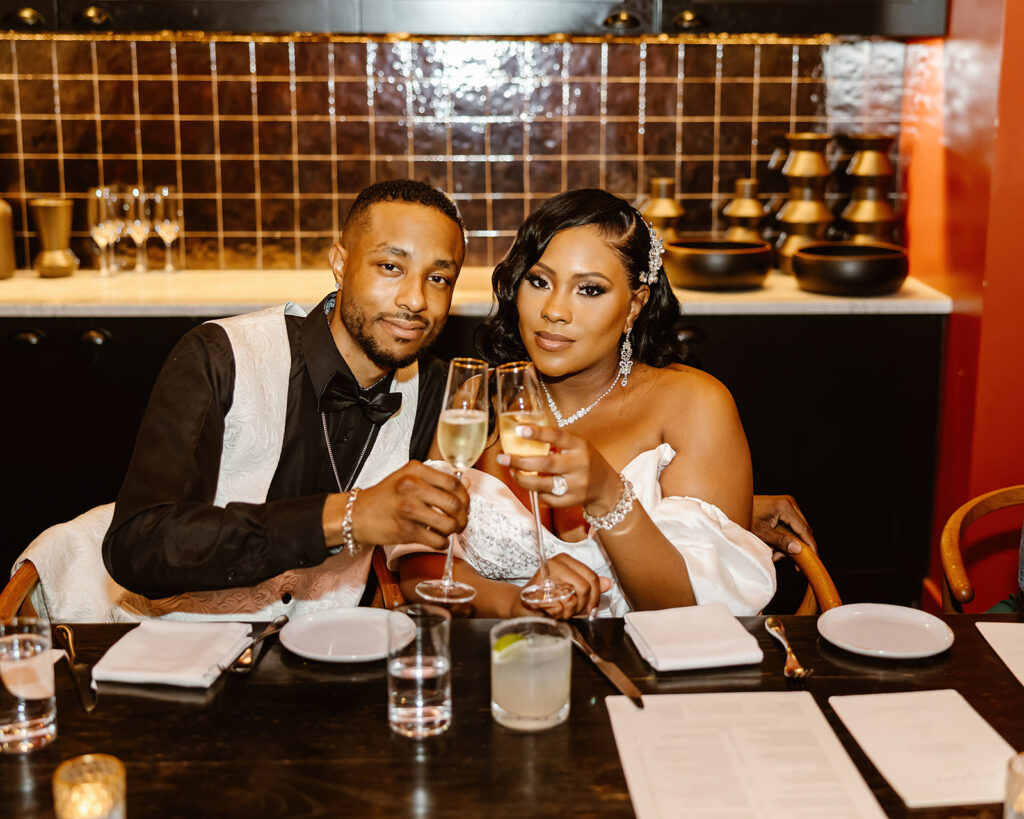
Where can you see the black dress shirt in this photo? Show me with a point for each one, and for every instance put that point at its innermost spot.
(167, 537)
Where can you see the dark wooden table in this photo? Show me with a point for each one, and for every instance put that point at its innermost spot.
(299, 738)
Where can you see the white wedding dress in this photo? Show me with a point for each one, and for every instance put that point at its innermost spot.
(726, 563)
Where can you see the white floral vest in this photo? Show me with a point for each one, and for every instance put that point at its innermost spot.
(74, 584)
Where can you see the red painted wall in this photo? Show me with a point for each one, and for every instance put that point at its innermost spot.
(962, 141)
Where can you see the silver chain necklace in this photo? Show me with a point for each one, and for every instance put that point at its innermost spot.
(564, 422)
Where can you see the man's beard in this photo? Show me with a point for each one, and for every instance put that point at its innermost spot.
(356, 323)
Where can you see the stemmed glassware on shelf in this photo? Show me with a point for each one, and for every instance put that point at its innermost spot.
(520, 402)
(100, 214)
(461, 436)
(138, 224)
(166, 215)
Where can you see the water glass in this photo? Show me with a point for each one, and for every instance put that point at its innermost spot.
(89, 787)
(28, 707)
(419, 670)
(1013, 807)
(531, 668)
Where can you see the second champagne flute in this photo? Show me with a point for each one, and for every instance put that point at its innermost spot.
(519, 402)
(461, 436)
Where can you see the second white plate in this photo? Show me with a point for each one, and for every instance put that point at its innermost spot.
(342, 635)
(883, 630)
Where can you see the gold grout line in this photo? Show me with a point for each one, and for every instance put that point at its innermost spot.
(141, 181)
(296, 210)
(20, 138)
(333, 128)
(257, 184)
(60, 129)
(218, 172)
(179, 177)
(716, 131)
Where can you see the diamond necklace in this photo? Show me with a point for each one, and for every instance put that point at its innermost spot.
(564, 422)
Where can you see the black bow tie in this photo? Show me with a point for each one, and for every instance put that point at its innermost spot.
(341, 393)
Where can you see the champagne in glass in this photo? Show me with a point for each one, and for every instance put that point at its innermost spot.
(98, 212)
(519, 402)
(138, 225)
(461, 435)
(119, 203)
(167, 220)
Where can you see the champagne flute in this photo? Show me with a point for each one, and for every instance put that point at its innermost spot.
(166, 220)
(519, 402)
(119, 200)
(138, 225)
(98, 209)
(461, 436)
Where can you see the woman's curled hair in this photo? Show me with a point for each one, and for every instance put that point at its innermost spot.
(655, 336)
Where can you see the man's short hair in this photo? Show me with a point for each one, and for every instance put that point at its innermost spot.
(400, 190)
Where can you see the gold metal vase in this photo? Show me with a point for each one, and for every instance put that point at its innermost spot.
(53, 221)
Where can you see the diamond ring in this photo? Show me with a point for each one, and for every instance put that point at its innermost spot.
(559, 486)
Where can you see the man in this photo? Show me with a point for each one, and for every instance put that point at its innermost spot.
(275, 451)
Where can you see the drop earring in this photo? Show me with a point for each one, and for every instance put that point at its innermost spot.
(626, 359)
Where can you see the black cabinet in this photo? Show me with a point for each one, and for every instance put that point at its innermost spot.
(840, 411)
(28, 15)
(502, 18)
(893, 18)
(509, 17)
(74, 393)
(267, 16)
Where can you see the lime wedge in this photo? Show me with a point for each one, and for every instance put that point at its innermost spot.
(505, 640)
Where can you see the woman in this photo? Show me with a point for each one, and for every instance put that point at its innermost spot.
(648, 451)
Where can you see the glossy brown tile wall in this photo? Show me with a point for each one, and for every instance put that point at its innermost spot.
(269, 140)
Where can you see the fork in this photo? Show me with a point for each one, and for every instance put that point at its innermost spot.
(793, 668)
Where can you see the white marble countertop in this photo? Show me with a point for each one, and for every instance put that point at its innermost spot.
(228, 292)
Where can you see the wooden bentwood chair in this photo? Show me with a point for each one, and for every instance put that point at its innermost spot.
(956, 587)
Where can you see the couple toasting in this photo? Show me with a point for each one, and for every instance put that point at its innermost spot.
(278, 448)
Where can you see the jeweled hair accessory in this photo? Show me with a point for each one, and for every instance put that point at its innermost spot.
(650, 275)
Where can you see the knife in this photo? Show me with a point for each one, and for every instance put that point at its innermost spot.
(614, 674)
(79, 671)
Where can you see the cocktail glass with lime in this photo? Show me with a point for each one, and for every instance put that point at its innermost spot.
(531, 663)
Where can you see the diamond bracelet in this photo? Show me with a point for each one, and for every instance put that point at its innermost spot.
(618, 514)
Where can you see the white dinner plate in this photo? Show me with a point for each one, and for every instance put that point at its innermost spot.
(883, 630)
(342, 635)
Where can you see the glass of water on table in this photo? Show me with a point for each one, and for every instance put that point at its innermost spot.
(419, 670)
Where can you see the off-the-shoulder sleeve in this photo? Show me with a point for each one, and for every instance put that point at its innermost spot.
(726, 563)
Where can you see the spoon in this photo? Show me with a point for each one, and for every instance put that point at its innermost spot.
(245, 663)
(793, 668)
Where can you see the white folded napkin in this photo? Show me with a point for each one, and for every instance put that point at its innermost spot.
(173, 653)
(692, 637)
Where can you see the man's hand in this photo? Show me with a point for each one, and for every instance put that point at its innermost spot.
(415, 504)
(772, 514)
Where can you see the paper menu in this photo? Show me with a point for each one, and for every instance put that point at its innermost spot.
(1007, 640)
(754, 754)
(932, 747)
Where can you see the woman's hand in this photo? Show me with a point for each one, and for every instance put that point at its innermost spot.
(590, 481)
(588, 585)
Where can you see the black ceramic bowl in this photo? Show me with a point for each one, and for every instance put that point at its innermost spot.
(716, 264)
(850, 269)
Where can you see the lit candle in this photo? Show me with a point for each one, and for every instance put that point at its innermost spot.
(89, 787)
